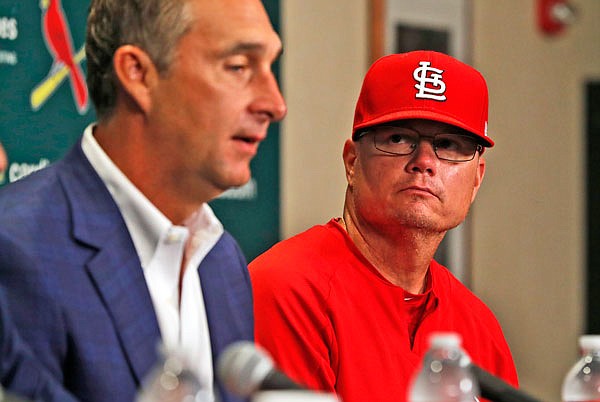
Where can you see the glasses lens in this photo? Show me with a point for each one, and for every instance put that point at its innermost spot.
(403, 141)
(454, 147)
(395, 140)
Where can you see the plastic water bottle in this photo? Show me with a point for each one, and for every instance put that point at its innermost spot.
(582, 382)
(445, 375)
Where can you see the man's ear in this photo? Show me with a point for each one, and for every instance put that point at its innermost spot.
(349, 157)
(136, 74)
(478, 176)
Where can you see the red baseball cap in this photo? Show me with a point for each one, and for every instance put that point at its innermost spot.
(423, 85)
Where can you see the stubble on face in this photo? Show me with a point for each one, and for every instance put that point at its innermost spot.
(396, 214)
(381, 199)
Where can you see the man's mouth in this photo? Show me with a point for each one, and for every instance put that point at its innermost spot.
(420, 189)
(248, 144)
(249, 139)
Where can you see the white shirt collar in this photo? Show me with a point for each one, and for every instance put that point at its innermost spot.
(146, 223)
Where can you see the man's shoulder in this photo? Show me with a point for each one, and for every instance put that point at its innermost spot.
(310, 258)
(40, 209)
(307, 245)
(35, 189)
(28, 198)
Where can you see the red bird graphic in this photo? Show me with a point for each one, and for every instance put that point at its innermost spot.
(60, 44)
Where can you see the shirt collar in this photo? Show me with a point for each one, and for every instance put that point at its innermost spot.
(146, 223)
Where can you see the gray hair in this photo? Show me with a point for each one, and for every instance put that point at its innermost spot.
(155, 26)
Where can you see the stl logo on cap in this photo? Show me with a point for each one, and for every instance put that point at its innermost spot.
(430, 83)
(423, 84)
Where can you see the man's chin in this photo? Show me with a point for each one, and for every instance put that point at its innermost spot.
(233, 183)
(241, 181)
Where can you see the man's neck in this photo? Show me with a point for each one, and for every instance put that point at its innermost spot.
(401, 257)
(129, 148)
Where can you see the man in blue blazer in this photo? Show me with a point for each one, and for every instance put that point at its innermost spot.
(113, 251)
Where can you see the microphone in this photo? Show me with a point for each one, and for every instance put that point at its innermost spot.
(496, 389)
(244, 369)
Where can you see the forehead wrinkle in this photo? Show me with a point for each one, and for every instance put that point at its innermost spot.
(248, 47)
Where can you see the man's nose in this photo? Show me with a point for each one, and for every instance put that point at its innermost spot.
(269, 99)
(424, 158)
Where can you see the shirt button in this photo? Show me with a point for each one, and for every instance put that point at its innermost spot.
(173, 237)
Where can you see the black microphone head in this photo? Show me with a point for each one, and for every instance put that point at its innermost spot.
(497, 390)
(242, 367)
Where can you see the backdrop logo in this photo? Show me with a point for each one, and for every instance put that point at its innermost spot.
(57, 36)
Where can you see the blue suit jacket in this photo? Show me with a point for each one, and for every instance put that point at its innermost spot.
(20, 372)
(77, 291)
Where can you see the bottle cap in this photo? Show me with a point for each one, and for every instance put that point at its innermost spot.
(587, 342)
(445, 339)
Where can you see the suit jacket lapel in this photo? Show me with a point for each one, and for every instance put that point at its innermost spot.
(227, 299)
(115, 269)
(226, 293)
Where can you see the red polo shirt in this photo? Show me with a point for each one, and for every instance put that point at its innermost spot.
(333, 323)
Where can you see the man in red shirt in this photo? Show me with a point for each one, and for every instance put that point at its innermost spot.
(348, 306)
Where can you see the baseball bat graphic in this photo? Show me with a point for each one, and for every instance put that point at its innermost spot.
(44, 89)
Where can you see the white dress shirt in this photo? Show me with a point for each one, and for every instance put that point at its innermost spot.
(161, 246)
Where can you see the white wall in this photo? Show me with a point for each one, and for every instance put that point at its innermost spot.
(325, 56)
(529, 254)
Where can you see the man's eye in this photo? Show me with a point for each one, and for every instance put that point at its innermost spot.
(237, 63)
(447, 144)
(397, 139)
(237, 67)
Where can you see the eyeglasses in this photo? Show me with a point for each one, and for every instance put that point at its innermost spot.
(403, 141)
